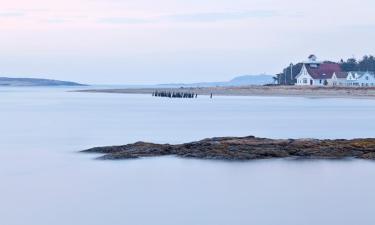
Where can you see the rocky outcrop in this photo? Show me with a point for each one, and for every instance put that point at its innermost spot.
(246, 148)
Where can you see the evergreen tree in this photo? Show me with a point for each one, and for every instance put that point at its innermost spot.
(350, 65)
(367, 63)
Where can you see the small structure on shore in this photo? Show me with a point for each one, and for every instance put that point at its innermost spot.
(172, 94)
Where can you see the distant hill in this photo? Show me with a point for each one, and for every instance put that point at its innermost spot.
(237, 81)
(252, 80)
(29, 82)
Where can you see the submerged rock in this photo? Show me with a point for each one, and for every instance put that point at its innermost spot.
(246, 148)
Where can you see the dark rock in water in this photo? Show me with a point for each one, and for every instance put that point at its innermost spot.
(246, 148)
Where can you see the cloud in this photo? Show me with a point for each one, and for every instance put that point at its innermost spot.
(12, 14)
(55, 20)
(221, 16)
(193, 17)
(124, 20)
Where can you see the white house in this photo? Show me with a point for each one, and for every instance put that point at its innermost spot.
(353, 79)
(339, 79)
(304, 78)
(314, 73)
(360, 79)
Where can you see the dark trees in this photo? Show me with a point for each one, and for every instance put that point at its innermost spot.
(367, 63)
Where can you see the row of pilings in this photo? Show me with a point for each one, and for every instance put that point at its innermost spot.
(172, 94)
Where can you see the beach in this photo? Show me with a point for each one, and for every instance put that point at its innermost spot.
(293, 91)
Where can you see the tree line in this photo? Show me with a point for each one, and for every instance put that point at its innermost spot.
(367, 63)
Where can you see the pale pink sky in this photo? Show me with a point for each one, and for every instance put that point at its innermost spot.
(139, 41)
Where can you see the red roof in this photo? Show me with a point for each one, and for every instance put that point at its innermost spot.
(324, 70)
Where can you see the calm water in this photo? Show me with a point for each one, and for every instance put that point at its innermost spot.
(45, 181)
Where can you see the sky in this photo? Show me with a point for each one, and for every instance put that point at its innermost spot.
(164, 41)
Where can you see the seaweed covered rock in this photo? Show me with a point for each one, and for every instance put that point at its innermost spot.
(246, 148)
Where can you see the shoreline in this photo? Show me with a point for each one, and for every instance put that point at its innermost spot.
(265, 91)
(245, 149)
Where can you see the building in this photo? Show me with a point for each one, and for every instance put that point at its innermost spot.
(323, 73)
(360, 79)
(339, 79)
(315, 73)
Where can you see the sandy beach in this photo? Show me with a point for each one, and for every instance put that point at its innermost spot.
(292, 91)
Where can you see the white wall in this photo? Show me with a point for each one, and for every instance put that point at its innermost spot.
(320, 82)
(303, 78)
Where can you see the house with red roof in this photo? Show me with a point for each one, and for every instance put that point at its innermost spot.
(324, 73)
(315, 73)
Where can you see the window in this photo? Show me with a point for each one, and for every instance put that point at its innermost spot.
(304, 80)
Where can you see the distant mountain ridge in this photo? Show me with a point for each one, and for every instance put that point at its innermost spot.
(244, 80)
(29, 82)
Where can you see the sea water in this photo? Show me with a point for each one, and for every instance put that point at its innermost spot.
(44, 179)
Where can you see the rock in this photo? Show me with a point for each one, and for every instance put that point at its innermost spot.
(246, 148)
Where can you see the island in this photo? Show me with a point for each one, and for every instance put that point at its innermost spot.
(245, 148)
(29, 82)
